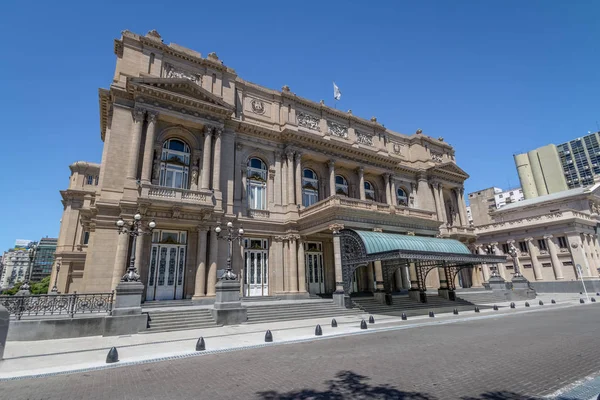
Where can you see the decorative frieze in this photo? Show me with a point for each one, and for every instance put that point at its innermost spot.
(363, 138)
(335, 129)
(437, 157)
(173, 72)
(308, 121)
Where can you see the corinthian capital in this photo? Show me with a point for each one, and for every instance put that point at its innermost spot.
(152, 116)
(331, 164)
(290, 154)
(138, 114)
(336, 228)
(208, 129)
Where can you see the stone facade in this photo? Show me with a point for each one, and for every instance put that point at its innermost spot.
(191, 145)
(552, 234)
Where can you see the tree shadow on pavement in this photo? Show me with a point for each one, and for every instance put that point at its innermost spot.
(502, 395)
(347, 385)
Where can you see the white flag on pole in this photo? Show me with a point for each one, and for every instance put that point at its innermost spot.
(336, 92)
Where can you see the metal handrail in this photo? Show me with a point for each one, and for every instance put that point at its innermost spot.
(58, 304)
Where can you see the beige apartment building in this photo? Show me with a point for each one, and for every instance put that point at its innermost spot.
(553, 234)
(540, 172)
(191, 145)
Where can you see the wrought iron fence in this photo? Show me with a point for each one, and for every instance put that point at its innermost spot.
(58, 304)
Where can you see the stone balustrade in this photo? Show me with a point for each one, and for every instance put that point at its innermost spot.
(559, 216)
(195, 197)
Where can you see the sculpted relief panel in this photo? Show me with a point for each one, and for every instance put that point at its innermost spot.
(308, 121)
(363, 138)
(174, 72)
(335, 129)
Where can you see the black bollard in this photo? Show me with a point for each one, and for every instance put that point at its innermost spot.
(541, 303)
(318, 331)
(200, 345)
(333, 323)
(553, 301)
(113, 356)
(455, 311)
(512, 305)
(580, 292)
(593, 300)
(476, 309)
(431, 314)
(526, 304)
(268, 337)
(495, 307)
(597, 293)
(404, 317)
(371, 320)
(581, 301)
(363, 324)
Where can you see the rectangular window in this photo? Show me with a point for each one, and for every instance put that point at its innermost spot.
(568, 263)
(89, 180)
(562, 242)
(546, 265)
(86, 237)
(542, 244)
(505, 248)
(526, 265)
(257, 195)
(523, 247)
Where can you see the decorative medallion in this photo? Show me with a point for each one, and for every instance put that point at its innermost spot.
(173, 72)
(308, 121)
(257, 106)
(363, 138)
(397, 148)
(336, 129)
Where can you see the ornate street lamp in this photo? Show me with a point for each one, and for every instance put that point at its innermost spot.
(134, 229)
(54, 287)
(230, 236)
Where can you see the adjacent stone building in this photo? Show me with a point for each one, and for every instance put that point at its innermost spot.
(552, 234)
(191, 145)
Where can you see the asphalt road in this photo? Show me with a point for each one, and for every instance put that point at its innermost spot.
(515, 357)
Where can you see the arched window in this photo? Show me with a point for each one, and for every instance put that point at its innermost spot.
(310, 187)
(257, 184)
(174, 166)
(369, 191)
(341, 185)
(401, 198)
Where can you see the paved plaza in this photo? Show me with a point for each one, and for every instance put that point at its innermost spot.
(524, 355)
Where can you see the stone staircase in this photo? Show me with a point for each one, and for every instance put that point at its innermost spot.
(149, 305)
(179, 320)
(490, 297)
(411, 307)
(296, 310)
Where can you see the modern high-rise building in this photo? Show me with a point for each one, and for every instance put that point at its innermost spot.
(580, 160)
(44, 258)
(540, 172)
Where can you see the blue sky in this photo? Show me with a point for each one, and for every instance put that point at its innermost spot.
(492, 78)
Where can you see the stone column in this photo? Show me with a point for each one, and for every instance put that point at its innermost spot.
(277, 263)
(301, 267)
(484, 267)
(378, 276)
(244, 184)
(556, 264)
(293, 265)
(286, 265)
(136, 139)
(398, 278)
(386, 180)
(284, 181)
(149, 147)
(338, 295)
(424, 197)
(213, 255)
(588, 252)
(361, 182)
(370, 280)
(290, 177)
(578, 253)
(139, 252)
(331, 165)
(120, 260)
(462, 207)
(442, 204)
(206, 157)
(438, 206)
(217, 161)
(298, 182)
(501, 267)
(277, 181)
(537, 268)
(270, 189)
(393, 200)
(200, 285)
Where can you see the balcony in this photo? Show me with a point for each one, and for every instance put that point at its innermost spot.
(201, 197)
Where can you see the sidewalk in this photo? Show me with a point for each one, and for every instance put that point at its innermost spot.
(26, 359)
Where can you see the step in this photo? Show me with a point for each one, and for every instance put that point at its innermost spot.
(154, 322)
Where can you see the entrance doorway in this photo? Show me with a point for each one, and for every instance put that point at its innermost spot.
(167, 266)
(313, 258)
(256, 267)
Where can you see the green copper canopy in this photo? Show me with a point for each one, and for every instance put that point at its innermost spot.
(378, 242)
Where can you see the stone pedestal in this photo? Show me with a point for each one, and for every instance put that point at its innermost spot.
(342, 300)
(128, 299)
(519, 282)
(228, 308)
(447, 294)
(417, 295)
(379, 297)
(4, 321)
(497, 283)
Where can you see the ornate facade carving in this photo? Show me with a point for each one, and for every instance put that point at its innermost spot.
(336, 228)
(308, 121)
(397, 147)
(437, 157)
(363, 138)
(257, 106)
(174, 72)
(335, 129)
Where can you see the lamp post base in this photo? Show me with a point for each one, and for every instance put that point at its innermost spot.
(228, 308)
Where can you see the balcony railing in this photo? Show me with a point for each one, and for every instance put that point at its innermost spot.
(357, 204)
(58, 304)
(200, 197)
